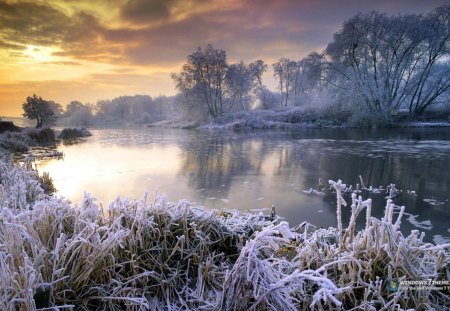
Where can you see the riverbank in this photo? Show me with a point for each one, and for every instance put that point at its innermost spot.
(17, 141)
(298, 118)
(156, 255)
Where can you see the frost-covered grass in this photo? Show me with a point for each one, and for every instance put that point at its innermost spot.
(317, 115)
(282, 118)
(180, 124)
(139, 255)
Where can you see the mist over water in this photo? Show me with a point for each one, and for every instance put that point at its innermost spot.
(252, 171)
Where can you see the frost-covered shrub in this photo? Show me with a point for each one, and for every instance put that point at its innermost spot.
(42, 136)
(12, 144)
(284, 118)
(46, 183)
(363, 118)
(74, 133)
(19, 142)
(8, 126)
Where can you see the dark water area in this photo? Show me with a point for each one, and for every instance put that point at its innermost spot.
(250, 171)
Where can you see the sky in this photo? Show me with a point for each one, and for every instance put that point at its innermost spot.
(89, 50)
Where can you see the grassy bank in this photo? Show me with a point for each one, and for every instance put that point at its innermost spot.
(304, 117)
(157, 255)
(40, 143)
(20, 140)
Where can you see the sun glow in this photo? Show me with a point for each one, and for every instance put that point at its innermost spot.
(39, 53)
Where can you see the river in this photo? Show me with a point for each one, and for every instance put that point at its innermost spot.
(250, 171)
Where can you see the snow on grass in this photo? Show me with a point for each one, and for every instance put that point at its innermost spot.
(139, 255)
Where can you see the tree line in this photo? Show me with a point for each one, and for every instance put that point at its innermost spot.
(136, 109)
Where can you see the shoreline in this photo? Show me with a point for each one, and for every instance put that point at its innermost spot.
(246, 125)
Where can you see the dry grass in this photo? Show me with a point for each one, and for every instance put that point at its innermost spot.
(135, 255)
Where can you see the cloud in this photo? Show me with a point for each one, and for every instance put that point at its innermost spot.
(79, 35)
(145, 11)
(31, 23)
(63, 63)
(153, 32)
(11, 46)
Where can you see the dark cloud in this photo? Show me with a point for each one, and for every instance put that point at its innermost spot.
(150, 11)
(249, 30)
(32, 23)
(145, 11)
(242, 36)
(29, 23)
(83, 28)
(9, 46)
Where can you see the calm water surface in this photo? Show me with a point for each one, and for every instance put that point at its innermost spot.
(252, 171)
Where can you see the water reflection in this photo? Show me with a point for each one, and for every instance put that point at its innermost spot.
(255, 170)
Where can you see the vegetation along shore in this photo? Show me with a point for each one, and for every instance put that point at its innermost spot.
(157, 255)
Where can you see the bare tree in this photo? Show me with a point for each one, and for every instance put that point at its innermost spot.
(243, 82)
(209, 81)
(393, 61)
(284, 70)
(203, 77)
(306, 78)
(432, 78)
(77, 113)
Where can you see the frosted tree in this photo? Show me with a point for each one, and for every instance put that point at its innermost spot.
(203, 77)
(242, 82)
(432, 78)
(306, 78)
(207, 80)
(392, 61)
(284, 71)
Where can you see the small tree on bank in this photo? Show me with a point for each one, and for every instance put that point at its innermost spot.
(36, 108)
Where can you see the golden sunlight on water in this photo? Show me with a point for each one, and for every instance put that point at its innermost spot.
(107, 171)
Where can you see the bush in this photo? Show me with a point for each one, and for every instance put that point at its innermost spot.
(15, 142)
(8, 126)
(42, 136)
(13, 145)
(74, 133)
(46, 183)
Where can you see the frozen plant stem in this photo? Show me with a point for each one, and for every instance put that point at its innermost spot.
(339, 203)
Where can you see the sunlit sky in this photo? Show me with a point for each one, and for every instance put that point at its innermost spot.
(89, 50)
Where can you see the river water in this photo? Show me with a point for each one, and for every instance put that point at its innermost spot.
(250, 171)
